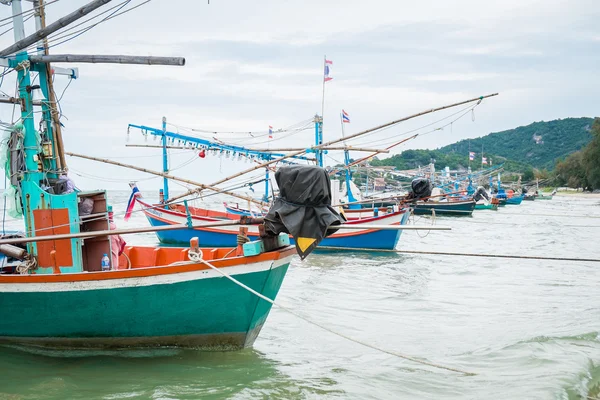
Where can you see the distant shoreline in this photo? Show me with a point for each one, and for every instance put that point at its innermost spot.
(578, 194)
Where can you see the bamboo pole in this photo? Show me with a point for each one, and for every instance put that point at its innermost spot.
(128, 231)
(263, 165)
(373, 155)
(108, 59)
(328, 144)
(349, 148)
(56, 131)
(392, 227)
(355, 135)
(398, 198)
(61, 23)
(175, 178)
(242, 221)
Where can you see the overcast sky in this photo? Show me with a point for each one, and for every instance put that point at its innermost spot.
(251, 64)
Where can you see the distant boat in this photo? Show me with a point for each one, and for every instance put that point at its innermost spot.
(237, 210)
(514, 200)
(484, 206)
(455, 208)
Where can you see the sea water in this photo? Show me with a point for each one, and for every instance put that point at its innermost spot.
(528, 329)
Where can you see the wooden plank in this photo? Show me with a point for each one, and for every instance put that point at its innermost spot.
(53, 222)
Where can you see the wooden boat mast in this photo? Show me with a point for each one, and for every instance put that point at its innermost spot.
(43, 152)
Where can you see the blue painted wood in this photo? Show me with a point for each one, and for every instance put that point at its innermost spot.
(253, 248)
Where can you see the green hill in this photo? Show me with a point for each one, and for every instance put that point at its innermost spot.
(538, 145)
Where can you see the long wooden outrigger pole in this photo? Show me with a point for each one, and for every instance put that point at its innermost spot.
(164, 175)
(61, 163)
(349, 148)
(61, 23)
(241, 221)
(328, 144)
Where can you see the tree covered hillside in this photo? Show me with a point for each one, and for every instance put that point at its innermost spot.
(539, 144)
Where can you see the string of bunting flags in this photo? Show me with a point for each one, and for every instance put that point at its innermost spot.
(216, 148)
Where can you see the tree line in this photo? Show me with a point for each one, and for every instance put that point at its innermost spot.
(582, 168)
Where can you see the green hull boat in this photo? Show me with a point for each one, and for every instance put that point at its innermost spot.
(486, 206)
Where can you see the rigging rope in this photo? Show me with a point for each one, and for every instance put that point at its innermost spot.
(446, 253)
(196, 257)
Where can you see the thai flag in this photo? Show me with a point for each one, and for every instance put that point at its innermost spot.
(270, 132)
(471, 156)
(345, 117)
(328, 65)
(135, 193)
(483, 160)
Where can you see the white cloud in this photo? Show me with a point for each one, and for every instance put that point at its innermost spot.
(450, 77)
(254, 64)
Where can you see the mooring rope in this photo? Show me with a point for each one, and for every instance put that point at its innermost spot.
(197, 258)
(470, 221)
(447, 253)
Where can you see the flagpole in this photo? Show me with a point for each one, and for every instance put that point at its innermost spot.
(342, 123)
(323, 98)
(469, 154)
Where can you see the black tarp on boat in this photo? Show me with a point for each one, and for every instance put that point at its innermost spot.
(303, 208)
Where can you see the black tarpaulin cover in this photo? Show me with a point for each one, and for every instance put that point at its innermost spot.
(303, 208)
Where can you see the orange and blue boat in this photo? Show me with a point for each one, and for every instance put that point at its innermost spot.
(158, 215)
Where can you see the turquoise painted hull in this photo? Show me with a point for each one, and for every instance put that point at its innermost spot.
(486, 206)
(514, 201)
(210, 313)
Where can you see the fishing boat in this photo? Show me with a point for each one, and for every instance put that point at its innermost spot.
(64, 284)
(515, 200)
(543, 197)
(174, 214)
(483, 200)
(450, 208)
(235, 209)
(484, 206)
(154, 298)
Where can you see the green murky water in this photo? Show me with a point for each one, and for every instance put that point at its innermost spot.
(529, 329)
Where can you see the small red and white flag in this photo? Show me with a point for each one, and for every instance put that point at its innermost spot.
(345, 117)
(328, 64)
(270, 132)
(471, 156)
(135, 193)
(483, 160)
